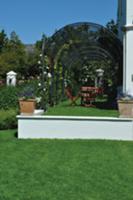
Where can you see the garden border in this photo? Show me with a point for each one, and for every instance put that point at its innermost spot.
(73, 127)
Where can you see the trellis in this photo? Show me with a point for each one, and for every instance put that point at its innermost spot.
(75, 42)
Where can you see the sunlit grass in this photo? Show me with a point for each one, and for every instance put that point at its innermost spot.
(64, 108)
(64, 169)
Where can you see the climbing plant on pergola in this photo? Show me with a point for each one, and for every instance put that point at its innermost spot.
(74, 46)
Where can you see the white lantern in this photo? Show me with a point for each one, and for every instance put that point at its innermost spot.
(11, 78)
(99, 72)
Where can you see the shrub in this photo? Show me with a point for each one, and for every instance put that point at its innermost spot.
(8, 119)
(8, 97)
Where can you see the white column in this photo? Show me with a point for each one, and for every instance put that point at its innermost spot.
(128, 48)
(124, 63)
(128, 60)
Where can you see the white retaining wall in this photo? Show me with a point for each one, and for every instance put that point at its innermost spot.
(63, 127)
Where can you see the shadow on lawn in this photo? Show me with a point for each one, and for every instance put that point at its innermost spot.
(106, 105)
(101, 105)
(16, 134)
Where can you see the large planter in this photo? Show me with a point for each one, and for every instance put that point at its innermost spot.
(125, 108)
(27, 106)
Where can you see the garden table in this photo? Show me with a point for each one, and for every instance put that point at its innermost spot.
(89, 94)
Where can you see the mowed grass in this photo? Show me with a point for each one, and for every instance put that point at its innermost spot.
(64, 108)
(65, 169)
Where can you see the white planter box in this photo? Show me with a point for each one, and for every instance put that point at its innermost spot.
(63, 127)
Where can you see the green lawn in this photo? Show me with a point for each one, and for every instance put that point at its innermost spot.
(64, 108)
(65, 169)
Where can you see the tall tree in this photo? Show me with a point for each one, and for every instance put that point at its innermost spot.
(3, 40)
(112, 26)
(13, 56)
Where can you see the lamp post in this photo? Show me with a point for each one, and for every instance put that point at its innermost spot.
(98, 79)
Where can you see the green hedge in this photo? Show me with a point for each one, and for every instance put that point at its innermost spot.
(8, 97)
(8, 119)
(9, 104)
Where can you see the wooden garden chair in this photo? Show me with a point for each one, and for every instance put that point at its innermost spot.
(72, 98)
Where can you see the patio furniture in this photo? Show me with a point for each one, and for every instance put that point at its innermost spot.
(72, 98)
(89, 94)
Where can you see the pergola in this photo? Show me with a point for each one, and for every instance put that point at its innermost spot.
(81, 43)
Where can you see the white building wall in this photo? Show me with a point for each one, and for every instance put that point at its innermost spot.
(128, 72)
(125, 24)
(129, 11)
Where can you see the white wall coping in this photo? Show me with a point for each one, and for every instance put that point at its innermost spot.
(59, 117)
(127, 27)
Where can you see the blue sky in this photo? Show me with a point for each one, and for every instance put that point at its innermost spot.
(31, 18)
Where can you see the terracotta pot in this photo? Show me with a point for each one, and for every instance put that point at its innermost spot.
(27, 106)
(125, 108)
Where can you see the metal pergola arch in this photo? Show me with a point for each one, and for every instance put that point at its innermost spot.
(97, 34)
(96, 42)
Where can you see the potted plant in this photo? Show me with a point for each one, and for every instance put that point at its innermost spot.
(125, 106)
(27, 101)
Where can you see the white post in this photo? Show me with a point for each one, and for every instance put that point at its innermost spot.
(128, 60)
(125, 22)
